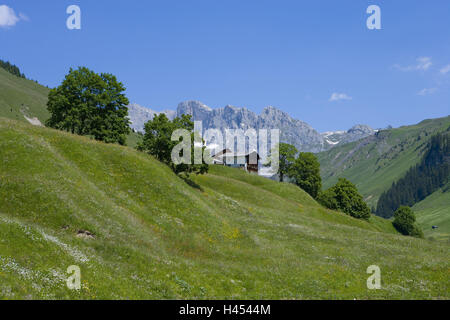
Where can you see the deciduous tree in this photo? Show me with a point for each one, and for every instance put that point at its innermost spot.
(405, 222)
(305, 172)
(92, 104)
(344, 196)
(157, 141)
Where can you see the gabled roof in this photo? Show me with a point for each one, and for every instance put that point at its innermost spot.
(221, 153)
(227, 153)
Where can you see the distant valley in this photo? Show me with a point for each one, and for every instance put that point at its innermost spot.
(376, 162)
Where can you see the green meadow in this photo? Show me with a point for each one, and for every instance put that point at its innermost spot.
(224, 235)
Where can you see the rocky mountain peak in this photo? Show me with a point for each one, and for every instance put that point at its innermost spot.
(292, 131)
(193, 108)
(140, 115)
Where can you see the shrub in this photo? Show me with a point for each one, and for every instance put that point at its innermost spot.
(405, 222)
(344, 196)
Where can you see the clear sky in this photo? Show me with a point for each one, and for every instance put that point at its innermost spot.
(314, 59)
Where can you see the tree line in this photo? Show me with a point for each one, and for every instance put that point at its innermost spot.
(11, 68)
(430, 174)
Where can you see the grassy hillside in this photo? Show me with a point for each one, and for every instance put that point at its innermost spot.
(225, 235)
(435, 211)
(20, 97)
(374, 163)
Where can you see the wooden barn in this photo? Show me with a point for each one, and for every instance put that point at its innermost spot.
(247, 161)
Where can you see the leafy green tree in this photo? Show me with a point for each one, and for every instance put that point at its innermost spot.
(92, 104)
(405, 222)
(344, 196)
(286, 154)
(305, 172)
(157, 141)
(287, 157)
(157, 138)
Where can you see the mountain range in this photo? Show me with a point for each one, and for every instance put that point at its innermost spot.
(296, 132)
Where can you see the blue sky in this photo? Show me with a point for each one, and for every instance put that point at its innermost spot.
(315, 60)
